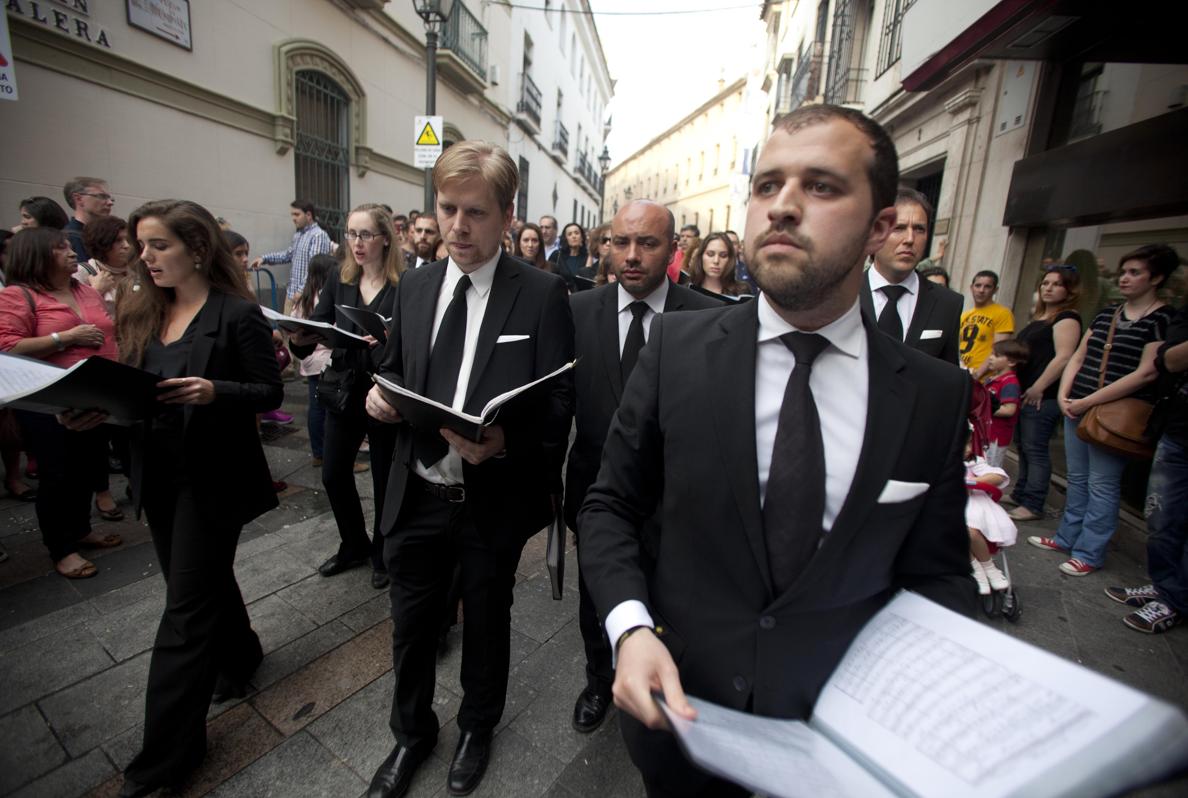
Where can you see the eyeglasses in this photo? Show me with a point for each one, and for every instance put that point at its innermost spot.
(606, 240)
(365, 236)
(1060, 267)
(104, 197)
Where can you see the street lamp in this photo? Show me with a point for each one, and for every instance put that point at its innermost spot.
(434, 13)
(603, 161)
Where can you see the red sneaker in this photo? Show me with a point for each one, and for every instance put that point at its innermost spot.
(1047, 544)
(1075, 567)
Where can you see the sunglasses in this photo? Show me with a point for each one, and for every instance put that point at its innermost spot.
(1060, 267)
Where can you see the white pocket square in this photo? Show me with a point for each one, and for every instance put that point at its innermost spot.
(507, 339)
(896, 491)
(926, 334)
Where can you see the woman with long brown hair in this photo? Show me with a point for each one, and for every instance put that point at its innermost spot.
(530, 246)
(198, 469)
(711, 266)
(1051, 339)
(371, 268)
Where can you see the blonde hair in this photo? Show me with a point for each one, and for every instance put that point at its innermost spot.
(488, 162)
(393, 259)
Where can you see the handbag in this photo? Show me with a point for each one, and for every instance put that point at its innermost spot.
(335, 387)
(1120, 426)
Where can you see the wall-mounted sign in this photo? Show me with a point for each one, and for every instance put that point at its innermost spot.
(427, 146)
(169, 19)
(8, 87)
(71, 18)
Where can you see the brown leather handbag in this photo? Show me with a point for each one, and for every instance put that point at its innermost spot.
(1120, 426)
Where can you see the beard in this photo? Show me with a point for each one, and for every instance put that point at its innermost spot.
(804, 280)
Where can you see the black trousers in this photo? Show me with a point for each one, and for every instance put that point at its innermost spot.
(429, 537)
(66, 466)
(600, 675)
(343, 436)
(666, 772)
(204, 631)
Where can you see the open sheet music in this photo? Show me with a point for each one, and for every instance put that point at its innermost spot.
(929, 703)
(332, 336)
(125, 393)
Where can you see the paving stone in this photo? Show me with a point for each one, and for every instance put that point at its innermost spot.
(299, 506)
(130, 630)
(536, 614)
(124, 747)
(267, 573)
(552, 676)
(27, 748)
(74, 778)
(603, 767)
(299, 699)
(370, 613)
(277, 622)
(357, 732)
(80, 725)
(234, 741)
(27, 601)
(305, 474)
(257, 543)
(298, 766)
(289, 658)
(324, 599)
(45, 625)
(128, 594)
(49, 664)
(120, 567)
(516, 768)
(283, 461)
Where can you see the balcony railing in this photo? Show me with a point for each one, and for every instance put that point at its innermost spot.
(845, 87)
(466, 37)
(806, 80)
(588, 172)
(561, 139)
(1086, 115)
(529, 104)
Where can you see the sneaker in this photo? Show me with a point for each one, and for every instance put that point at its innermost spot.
(979, 576)
(997, 578)
(1154, 618)
(276, 417)
(1074, 567)
(1133, 596)
(1021, 513)
(1047, 544)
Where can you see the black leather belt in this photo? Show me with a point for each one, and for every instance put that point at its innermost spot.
(455, 494)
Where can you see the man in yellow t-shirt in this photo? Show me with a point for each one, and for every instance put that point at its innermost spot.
(983, 324)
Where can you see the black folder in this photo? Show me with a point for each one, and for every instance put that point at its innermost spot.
(368, 321)
(125, 393)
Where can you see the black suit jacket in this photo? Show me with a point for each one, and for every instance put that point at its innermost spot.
(684, 441)
(937, 308)
(598, 380)
(509, 496)
(233, 349)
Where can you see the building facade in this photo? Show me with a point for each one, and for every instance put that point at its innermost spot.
(699, 168)
(244, 106)
(557, 88)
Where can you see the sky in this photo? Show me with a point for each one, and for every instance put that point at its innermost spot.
(665, 65)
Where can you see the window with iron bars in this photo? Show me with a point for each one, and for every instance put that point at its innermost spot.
(322, 149)
(891, 40)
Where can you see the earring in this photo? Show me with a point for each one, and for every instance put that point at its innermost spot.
(197, 265)
(136, 285)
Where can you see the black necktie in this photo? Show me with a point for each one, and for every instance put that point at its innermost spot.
(794, 507)
(446, 358)
(889, 321)
(635, 339)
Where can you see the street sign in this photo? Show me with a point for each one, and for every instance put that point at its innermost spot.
(427, 141)
(8, 87)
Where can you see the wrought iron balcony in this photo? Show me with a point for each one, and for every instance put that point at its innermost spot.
(561, 140)
(844, 86)
(589, 172)
(464, 38)
(528, 108)
(806, 80)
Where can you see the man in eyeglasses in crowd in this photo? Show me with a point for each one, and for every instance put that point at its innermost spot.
(89, 198)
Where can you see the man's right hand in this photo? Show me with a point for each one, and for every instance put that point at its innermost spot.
(644, 665)
(379, 409)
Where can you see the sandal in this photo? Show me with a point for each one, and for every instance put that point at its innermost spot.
(26, 495)
(105, 542)
(114, 514)
(84, 571)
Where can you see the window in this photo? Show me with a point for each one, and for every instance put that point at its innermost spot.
(527, 54)
(522, 193)
(322, 149)
(891, 39)
(717, 157)
(561, 34)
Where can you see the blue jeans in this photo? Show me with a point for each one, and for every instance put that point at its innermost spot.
(1167, 523)
(316, 419)
(1035, 459)
(1094, 493)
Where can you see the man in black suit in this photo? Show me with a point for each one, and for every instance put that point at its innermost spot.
(425, 237)
(895, 296)
(805, 465)
(467, 329)
(609, 338)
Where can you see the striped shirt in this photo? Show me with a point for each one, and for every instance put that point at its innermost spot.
(308, 241)
(1130, 338)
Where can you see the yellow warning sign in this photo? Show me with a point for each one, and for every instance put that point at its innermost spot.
(428, 137)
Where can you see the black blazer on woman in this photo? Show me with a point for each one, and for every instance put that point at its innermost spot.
(223, 457)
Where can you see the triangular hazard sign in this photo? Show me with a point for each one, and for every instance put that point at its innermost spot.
(428, 137)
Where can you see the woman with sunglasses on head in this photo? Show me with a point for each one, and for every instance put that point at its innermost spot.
(1133, 330)
(1051, 339)
(371, 268)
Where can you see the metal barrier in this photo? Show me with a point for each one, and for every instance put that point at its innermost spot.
(271, 287)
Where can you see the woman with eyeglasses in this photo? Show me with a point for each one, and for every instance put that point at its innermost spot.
(1094, 375)
(371, 268)
(1051, 339)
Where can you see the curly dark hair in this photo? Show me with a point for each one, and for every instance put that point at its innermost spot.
(100, 235)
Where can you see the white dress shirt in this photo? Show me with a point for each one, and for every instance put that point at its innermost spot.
(549, 249)
(907, 302)
(448, 470)
(655, 302)
(840, 382)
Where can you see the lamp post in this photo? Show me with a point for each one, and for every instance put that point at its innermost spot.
(604, 162)
(434, 13)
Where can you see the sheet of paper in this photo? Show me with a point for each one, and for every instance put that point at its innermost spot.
(944, 706)
(779, 758)
(20, 376)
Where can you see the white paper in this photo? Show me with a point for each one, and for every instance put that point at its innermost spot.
(281, 319)
(21, 376)
(779, 758)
